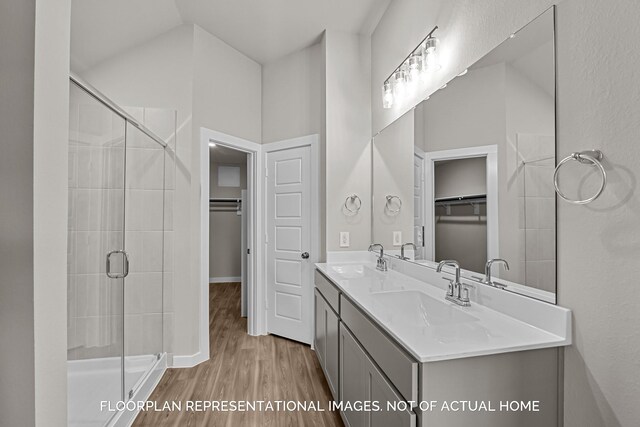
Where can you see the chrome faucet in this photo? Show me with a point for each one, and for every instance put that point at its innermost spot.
(381, 263)
(402, 250)
(487, 273)
(458, 293)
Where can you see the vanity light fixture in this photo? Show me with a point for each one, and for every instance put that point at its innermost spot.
(422, 60)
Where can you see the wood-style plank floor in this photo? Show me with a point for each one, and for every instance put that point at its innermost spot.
(243, 367)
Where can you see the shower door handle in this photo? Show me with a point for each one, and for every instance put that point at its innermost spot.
(125, 265)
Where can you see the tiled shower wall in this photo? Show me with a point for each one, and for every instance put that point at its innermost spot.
(537, 202)
(98, 208)
(149, 233)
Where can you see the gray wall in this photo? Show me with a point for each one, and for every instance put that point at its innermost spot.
(34, 94)
(393, 175)
(17, 28)
(347, 130)
(598, 244)
(461, 177)
(291, 95)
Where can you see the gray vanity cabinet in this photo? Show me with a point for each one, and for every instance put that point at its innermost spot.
(364, 364)
(326, 340)
(361, 381)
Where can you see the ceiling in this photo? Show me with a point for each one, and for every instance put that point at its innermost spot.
(263, 30)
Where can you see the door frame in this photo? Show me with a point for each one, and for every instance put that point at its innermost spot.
(255, 285)
(418, 152)
(490, 152)
(312, 141)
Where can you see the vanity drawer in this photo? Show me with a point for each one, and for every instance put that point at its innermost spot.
(396, 364)
(328, 291)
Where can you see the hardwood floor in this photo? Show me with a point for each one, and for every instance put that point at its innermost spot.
(243, 368)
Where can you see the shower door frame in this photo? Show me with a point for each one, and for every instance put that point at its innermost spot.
(145, 385)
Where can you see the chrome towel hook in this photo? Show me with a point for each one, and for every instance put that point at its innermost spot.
(355, 201)
(592, 157)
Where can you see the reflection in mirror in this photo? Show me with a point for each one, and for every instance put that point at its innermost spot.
(473, 165)
(393, 176)
(460, 205)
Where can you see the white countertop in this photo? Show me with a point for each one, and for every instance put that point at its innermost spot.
(416, 314)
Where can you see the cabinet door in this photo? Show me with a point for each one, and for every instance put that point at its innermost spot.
(319, 338)
(361, 381)
(332, 350)
(352, 377)
(378, 389)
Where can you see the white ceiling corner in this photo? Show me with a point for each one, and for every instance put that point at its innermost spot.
(263, 30)
(101, 29)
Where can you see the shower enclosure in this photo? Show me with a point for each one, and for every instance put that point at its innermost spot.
(121, 181)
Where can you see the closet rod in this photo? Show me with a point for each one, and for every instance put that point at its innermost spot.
(225, 200)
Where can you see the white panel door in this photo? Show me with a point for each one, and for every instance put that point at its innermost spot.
(289, 268)
(418, 204)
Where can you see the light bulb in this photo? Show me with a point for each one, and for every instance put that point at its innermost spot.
(212, 144)
(430, 61)
(431, 44)
(387, 95)
(415, 66)
(399, 85)
(466, 70)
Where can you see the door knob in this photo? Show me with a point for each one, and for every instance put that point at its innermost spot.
(305, 255)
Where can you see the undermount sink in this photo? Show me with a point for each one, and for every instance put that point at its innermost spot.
(420, 307)
(350, 271)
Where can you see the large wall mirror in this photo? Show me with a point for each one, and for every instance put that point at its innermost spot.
(468, 173)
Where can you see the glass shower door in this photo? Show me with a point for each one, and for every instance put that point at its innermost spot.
(96, 263)
(143, 289)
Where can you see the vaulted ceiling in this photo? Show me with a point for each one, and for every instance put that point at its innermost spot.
(264, 30)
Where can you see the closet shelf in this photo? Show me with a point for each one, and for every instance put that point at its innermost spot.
(225, 205)
(474, 200)
(225, 200)
(461, 200)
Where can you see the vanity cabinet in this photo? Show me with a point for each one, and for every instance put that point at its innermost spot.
(326, 340)
(365, 365)
(361, 382)
(397, 365)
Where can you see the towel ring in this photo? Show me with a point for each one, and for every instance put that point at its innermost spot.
(389, 205)
(355, 200)
(588, 157)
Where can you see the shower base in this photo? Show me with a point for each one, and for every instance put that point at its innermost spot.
(91, 381)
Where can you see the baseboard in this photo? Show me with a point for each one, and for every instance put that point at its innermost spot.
(224, 279)
(189, 361)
